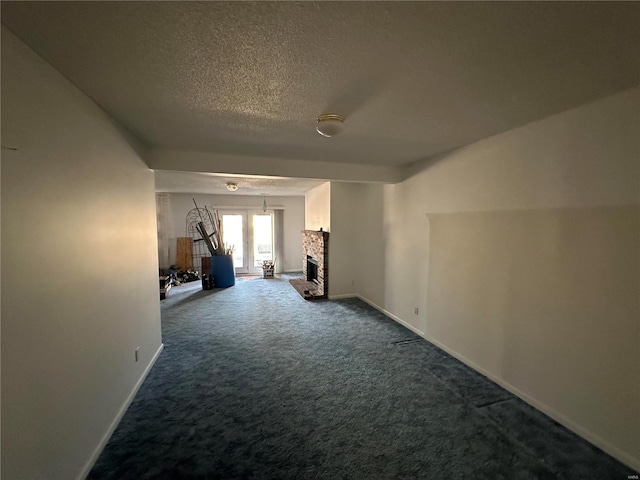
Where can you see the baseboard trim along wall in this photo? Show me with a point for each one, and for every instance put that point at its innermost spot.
(344, 295)
(114, 424)
(577, 429)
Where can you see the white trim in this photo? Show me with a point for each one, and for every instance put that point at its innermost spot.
(550, 412)
(114, 424)
(295, 270)
(392, 316)
(343, 296)
(591, 437)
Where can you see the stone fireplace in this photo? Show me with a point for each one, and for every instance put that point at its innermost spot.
(315, 261)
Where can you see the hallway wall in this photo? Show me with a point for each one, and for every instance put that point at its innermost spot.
(79, 271)
(522, 254)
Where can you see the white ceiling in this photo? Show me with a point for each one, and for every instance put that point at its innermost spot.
(243, 82)
(192, 182)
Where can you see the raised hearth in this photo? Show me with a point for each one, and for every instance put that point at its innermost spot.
(308, 290)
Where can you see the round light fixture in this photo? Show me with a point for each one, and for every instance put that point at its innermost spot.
(329, 124)
(232, 187)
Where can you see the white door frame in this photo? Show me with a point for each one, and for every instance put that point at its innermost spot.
(245, 237)
(253, 269)
(249, 266)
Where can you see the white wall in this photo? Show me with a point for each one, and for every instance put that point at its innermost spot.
(345, 213)
(522, 254)
(293, 217)
(79, 276)
(356, 242)
(317, 208)
(370, 244)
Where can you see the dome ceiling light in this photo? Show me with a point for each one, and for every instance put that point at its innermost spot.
(329, 124)
(232, 187)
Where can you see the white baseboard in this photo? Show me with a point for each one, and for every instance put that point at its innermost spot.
(577, 429)
(342, 296)
(591, 437)
(293, 271)
(393, 317)
(114, 424)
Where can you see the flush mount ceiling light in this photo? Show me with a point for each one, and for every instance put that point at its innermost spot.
(329, 124)
(232, 187)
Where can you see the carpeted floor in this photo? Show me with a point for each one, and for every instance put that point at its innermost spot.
(244, 278)
(256, 382)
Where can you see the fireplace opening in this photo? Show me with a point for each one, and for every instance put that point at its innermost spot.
(312, 269)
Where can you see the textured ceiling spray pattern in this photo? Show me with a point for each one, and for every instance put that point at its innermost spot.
(412, 78)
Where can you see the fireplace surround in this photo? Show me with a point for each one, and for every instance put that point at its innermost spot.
(315, 260)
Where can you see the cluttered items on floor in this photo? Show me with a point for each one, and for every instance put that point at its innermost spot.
(268, 268)
(174, 276)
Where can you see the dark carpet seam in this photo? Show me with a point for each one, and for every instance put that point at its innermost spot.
(493, 402)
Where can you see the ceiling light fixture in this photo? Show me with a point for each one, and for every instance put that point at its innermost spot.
(329, 124)
(232, 187)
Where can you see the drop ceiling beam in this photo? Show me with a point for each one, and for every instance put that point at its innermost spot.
(188, 161)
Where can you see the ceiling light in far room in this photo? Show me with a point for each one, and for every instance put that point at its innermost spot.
(232, 187)
(329, 124)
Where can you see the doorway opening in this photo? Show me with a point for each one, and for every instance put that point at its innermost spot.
(251, 235)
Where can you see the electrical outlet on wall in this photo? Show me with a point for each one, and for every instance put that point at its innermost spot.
(136, 353)
(416, 310)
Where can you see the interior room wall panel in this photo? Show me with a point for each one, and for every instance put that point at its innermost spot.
(79, 271)
(524, 250)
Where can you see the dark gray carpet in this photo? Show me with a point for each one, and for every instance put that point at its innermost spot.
(256, 382)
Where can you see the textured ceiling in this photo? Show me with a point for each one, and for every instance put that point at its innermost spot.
(189, 182)
(413, 78)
